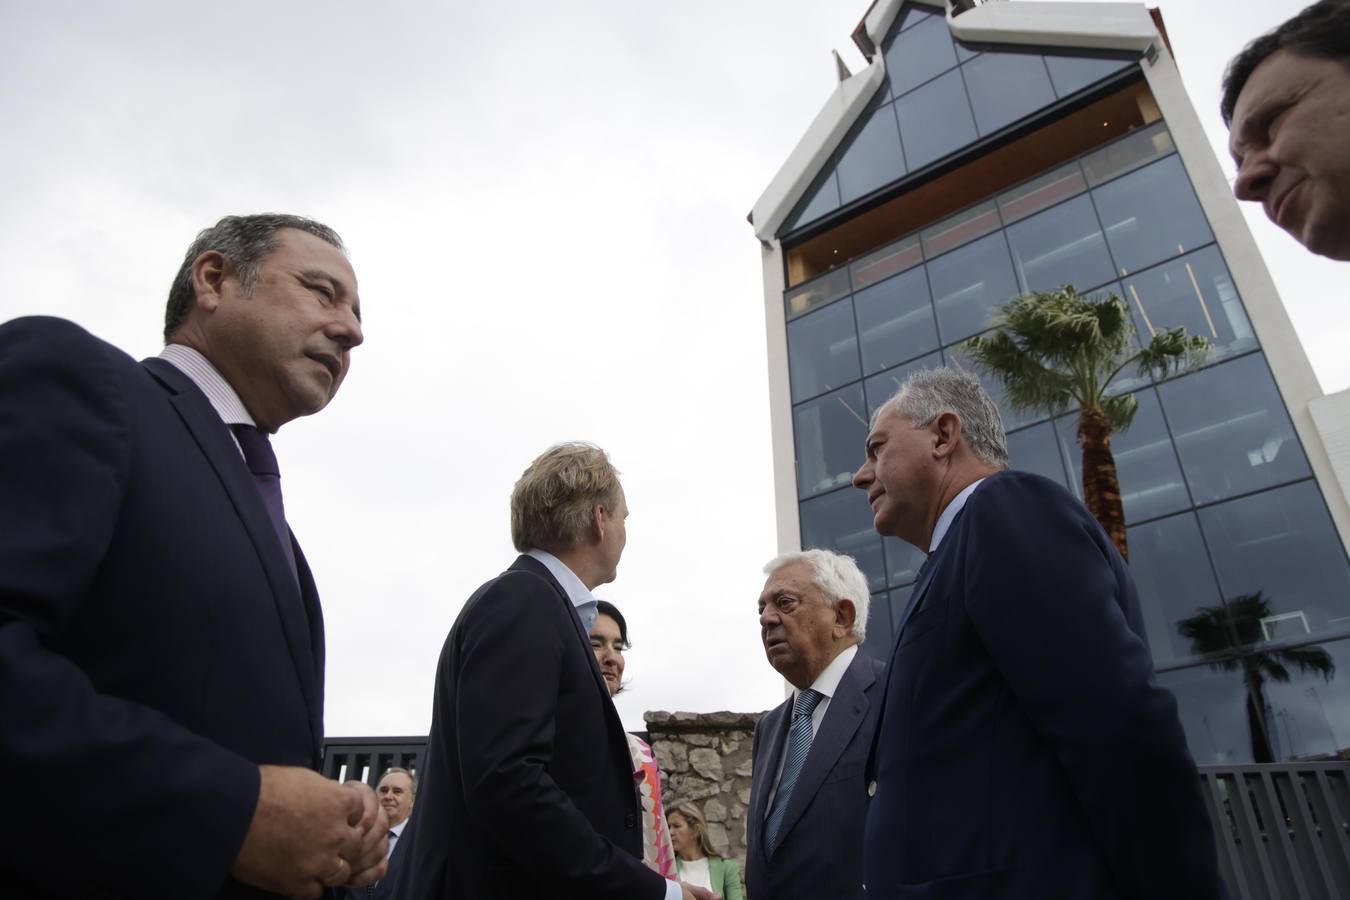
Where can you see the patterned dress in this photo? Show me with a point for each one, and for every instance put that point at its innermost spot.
(657, 851)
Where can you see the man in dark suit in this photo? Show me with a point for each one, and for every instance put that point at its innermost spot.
(397, 791)
(161, 641)
(807, 800)
(1023, 749)
(528, 789)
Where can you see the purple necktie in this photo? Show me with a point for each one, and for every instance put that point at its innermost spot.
(262, 462)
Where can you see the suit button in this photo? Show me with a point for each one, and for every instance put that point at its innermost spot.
(871, 788)
(629, 820)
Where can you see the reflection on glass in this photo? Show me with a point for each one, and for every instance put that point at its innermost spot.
(1062, 245)
(883, 386)
(969, 284)
(1196, 293)
(919, 53)
(902, 561)
(877, 643)
(1136, 149)
(895, 320)
(1035, 450)
(1173, 575)
(817, 292)
(825, 199)
(1151, 215)
(1041, 193)
(1281, 544)
(889, 260)
(822, 351)
(842, 521)
(935, 120)
(1005, 87)
(831, 431)
(1073, 73)
(959, 229)
(873, 159)
(1231, 430)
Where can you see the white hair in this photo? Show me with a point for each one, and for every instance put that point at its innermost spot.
(928, 393)
(838, 578)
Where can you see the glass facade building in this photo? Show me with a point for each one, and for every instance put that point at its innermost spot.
(944, 200)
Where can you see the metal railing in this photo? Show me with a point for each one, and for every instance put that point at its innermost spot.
(1283, 830)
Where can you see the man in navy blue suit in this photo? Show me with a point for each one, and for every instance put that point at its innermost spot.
(161, 640)
(1023, 749)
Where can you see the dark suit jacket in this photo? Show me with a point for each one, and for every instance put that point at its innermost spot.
(820, 841)
(154, 646)
(527, 787)
(1024, 749)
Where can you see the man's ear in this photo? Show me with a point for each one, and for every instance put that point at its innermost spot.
(845, 614)
(209, 274)
(599, 522)
(947, 431)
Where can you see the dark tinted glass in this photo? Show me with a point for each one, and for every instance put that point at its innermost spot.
(1042, 192)
(1151, 215)
(902, 561)
(962, 228)
(882, 387)
(1062, 245)
(1136, 149)
(817, 292)
(935, 120)
(889, 260)
(899, 600)
(895, 320)
(873, 159)
(1231, 430)
(1196, 293)
(968, 284)
(822, 351)
(831, 431)
(877, 644)
(919, 53)
(842, 521)
(1175, 580)
(1071, 74)
(1036, 450)
(1150, 478)
(1280, 563)
(1005, 87)
(824, 200)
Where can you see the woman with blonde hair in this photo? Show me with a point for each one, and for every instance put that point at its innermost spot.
(695, 860)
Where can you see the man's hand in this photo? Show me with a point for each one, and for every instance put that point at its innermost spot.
(309, 833)
(689, 892)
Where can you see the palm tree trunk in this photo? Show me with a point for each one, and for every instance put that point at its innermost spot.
(1101, 485)
(1257, 723)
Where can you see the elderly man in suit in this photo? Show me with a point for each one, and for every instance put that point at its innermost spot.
(1023, 748)
(161, 640)
(807, 799)
(397, 791)
(528, 787)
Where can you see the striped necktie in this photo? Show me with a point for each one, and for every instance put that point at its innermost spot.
(798, 746)
(262, 462)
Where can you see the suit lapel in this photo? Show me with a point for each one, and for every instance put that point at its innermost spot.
(220, 451)
(530, 564)
(761, 789)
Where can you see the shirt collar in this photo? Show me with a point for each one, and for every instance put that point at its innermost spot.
(827, 682)
(944, 521)
(209, 381)
(398, 829)
(567, 579)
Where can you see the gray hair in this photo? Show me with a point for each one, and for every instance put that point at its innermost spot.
(399, 770)
(553, 500)
(929, 393)
(838, 578)
(244, 241)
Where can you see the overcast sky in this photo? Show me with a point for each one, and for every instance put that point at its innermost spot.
(545, 204)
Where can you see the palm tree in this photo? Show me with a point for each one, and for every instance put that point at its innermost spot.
(1214, 631)
(1054, 349)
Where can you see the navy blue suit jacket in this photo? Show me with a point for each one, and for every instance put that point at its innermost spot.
(1024, 749)
(527, 787)
(819, 851)
(154, 645)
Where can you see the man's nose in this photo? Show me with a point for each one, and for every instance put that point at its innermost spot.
(863, 477)
(1254, 177)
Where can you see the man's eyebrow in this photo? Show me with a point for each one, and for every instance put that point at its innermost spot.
(338, 288)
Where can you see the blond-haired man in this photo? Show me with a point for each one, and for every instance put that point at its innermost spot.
(527, 787)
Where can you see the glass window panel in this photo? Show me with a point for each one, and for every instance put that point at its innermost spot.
(1071, 74)
(1041, 193)
(1281, 565)
(1231, 430)
(895, 320)
(873, 159)
(1235, 713)
(919, 53)
(1175, 580)
(1062, 245)
(1036, 450)
(899, 602)
(967, 51)
(1005, 87)
(968, 284)
(817, 292)
(1196, 293)
(822, 351)
(1012, 418)
(912, 15)
(889, 260)
(1150, 478)
(935, 120)
(902, 561)
(877, 644)
(824, 200)
(1151, 215)
(1129, 379)
(831, 431)
(882, 387)
(842, 521)
(959, 229)
(1136, 149)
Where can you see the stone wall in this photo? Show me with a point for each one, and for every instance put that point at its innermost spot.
(705, 758)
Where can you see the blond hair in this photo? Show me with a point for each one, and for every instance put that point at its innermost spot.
(694, 817)
(553, 501)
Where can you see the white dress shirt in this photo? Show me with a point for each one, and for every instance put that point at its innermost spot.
(944, 522)
(210, 382)
(826, 684)
(395, 832)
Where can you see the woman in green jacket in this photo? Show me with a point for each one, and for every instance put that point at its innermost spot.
(694, 857)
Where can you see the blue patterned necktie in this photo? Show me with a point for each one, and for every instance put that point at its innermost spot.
(262, 462)
(798, 746)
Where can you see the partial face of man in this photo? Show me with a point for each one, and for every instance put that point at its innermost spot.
(615, 537)
(900, 477)
(801, 633)
(396, 796)
(1290, 139)
(285, 347)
